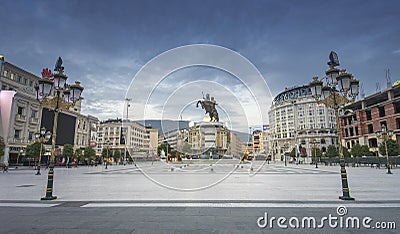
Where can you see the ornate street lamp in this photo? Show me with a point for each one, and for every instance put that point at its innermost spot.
(42, 137)
(64, 97)
(386, 135)
(340, 88)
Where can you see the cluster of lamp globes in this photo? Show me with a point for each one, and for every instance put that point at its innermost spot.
(346, 83)
(58, 81)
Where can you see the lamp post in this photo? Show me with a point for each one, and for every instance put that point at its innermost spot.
(314, 142)
(64, 97)
(42, 137)
(386, 135)
(108, 148)
(340, 88)
(126, 131)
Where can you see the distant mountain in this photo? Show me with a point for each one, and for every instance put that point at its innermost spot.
(244, 137)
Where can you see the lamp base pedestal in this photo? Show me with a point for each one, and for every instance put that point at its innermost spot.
(48, 198)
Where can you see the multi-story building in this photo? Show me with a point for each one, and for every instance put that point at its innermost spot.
(208, 138)
(176, 138)
(27, 116)
(296, 121)
(234, 145)
(116, 134)
(363, 118)
(152, 138)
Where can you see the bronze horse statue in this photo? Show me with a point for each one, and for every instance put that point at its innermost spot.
(210, 107)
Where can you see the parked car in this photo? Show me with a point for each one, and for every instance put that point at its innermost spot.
(195, 157)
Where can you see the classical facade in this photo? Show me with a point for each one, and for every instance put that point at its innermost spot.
(116, 134)
(27, 116)
(208, 138)
(297, 121)
(176, 138)
(363, 118)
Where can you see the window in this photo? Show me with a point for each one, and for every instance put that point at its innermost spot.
(20, 110)
(321, 111)
(396, 107)
(398, 123)
(5, 73)
(30, 136)
(350, 120)
(370, 128)
(17, 134)
(368, 114)
(25, 81)
(384, 123)
(373, 142)
(323, 141)
(381, 111)
(346, 132)
(356, 130)
(33, 113)
(12, 76)
(19, 78)
(351, 132)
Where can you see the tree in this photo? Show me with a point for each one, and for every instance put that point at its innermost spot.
(332, 151)
(346, 152)
(360, 150)
(164, 146)
(392, 146)
(1, 150)
(89, 152)
(316, 152)
(33, 150)
(68, 151)
(116, 155)
(105, 153)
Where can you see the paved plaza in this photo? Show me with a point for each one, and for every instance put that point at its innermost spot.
(200, 196)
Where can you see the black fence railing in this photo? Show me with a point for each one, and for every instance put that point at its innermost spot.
(365, 160)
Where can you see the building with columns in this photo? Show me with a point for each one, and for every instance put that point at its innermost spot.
(296, 121)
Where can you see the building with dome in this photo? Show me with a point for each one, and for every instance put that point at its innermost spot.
(297, 121)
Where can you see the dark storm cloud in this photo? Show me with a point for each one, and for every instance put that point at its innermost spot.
(104, 43)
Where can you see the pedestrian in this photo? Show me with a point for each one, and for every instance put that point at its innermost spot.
(5, 168)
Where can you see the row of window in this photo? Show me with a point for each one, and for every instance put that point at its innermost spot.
(18, 78)
(21, 112)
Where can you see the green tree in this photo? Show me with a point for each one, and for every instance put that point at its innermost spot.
(68, 151)
(332, 151)
(1, 150)
(346, 152)
(89, 152)
(360, 150)
(316, 152)
(33, 150)
(366, 151)
(116, 155)
(164, 146)
(392, 146)
(105, 153)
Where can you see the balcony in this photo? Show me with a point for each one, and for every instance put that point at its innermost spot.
(20, 118)
(34, 120)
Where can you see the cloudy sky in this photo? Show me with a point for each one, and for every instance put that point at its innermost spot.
(105, 43)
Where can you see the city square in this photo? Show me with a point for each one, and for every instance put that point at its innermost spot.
(113, 197)
(199, 116)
